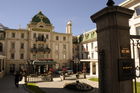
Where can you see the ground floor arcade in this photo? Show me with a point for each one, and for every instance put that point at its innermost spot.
(91, 66)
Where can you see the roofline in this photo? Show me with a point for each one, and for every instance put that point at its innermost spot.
(94, 29)
(17, 29)
(128, 3)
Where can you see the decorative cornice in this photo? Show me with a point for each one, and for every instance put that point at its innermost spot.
(38, 29)
(111, 9)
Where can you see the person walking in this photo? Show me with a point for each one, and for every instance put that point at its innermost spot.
(17, 79)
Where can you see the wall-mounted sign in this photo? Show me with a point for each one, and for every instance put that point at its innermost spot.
(125, 52)
(126, 69)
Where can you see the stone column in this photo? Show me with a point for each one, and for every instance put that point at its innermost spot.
(97, 69)
(0, 65)
(91, 68)
(113, 38)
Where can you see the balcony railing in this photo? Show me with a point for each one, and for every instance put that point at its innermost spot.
(43, 39)
(41, 49)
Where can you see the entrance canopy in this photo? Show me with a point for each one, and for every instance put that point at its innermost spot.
(43, 62)
(89, 60)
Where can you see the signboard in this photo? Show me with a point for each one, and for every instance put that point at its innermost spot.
(126, 69)
(125, 52)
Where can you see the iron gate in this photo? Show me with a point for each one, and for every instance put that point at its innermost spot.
(135, 54)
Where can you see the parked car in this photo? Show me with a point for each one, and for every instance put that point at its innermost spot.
(69, 71)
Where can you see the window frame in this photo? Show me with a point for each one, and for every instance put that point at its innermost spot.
(22, 35)
(137, 30)
(22, 45)
(64, 38)
(21, 56)
(57, 37)
(137, 10)
(12, 56)
(13, 35)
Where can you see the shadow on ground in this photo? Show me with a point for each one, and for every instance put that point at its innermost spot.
(64, 90)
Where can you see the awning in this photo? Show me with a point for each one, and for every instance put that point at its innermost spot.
(37, 62)
(89, 60)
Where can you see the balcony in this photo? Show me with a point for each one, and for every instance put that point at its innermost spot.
(41, 49)
(41, 39)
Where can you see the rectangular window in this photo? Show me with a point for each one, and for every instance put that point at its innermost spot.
(22, 35)
(138, 30)
(34, 35)
(137, 9)
(47, 37)
(1, 36)
(92, 45)
(12, 45)
(34, 45)
(22, 46)
(21, 56)
(86, 47)
(64, 46)
(92, 54)
(13, 35)
(57, 38)
(12, 56)
(64, 38)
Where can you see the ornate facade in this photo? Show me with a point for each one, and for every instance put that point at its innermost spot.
(39, 45)
(85, 50)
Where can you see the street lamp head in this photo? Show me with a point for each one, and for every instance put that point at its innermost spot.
(110, 3)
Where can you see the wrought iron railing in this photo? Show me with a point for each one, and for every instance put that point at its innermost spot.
(41, 49)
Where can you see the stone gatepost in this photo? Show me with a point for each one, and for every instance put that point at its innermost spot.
(116, 68)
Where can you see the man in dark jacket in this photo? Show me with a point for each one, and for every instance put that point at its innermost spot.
(17, 78)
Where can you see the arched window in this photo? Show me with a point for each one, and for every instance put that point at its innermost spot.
(1, 47)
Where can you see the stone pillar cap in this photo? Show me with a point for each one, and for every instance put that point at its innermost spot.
(111, 9)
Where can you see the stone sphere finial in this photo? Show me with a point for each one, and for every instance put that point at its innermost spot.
(110, 3)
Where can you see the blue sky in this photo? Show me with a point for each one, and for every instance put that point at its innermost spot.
(14, 13)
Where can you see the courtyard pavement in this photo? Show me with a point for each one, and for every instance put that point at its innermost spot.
(57, 86)
(7, 85)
